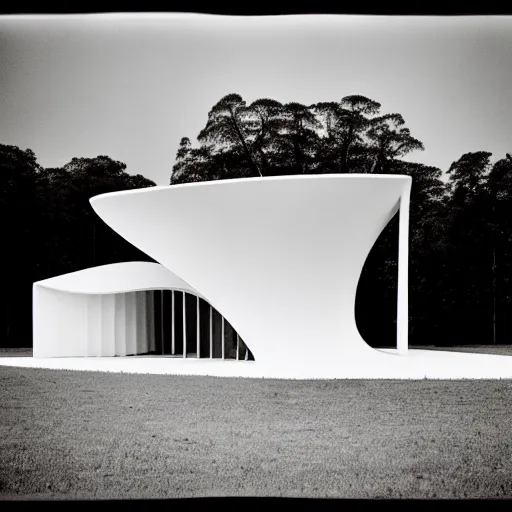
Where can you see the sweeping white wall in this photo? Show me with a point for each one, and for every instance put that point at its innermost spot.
(280, 258)
(100, 311)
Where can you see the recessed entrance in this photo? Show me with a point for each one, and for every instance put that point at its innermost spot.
(187, 326)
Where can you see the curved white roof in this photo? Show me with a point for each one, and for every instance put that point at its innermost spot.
(279, 257)
(118, 278)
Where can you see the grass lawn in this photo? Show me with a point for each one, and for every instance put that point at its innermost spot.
(67, 434)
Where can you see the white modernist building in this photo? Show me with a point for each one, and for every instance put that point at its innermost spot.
(280, 259)
(118, 310)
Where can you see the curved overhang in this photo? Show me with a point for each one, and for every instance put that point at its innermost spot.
(118, 278)
(279, 257)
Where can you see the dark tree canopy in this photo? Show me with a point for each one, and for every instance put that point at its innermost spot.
(268, 138)
(50, 227)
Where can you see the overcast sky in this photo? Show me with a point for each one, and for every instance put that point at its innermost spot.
(131, 86)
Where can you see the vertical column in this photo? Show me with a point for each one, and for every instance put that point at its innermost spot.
(108, 327)
(131, 324)
(402, 319)
(94, 327)
(197, 328)
(211, 333)
(144, 321)
(138, 326)
(141, 340)
(162, 312)
(173, 339)
(120, 328)
(237, 347)
(150, 320)
(222, 337)
(184, 326)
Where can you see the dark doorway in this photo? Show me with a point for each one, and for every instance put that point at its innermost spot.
(180, 317)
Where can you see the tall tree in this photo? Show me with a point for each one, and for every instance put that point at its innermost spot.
(300, 134)
(328, 115)
(499, 189)
(225, 129)
(389, 140)
(18, 175)
(184, 149)
(469, 242)
(467, 175)
(266, 122)
(355, 117)
(345, 124)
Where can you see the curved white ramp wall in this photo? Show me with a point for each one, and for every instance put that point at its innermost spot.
(280, 258)
(100, 311)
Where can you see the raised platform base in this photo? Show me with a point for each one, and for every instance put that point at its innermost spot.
(387, 364)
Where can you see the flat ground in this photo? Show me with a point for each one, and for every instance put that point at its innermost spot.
(499, 350)
(67, 434)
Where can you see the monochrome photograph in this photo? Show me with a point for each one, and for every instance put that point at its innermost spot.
(255, 256)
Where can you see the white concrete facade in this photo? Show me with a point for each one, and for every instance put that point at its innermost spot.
(109, 310)
(101, 311)
(280, 258)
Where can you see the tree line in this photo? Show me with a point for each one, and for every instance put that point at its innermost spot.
(268, 138)
(49, 228)
(460, 238)
(460, 229)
